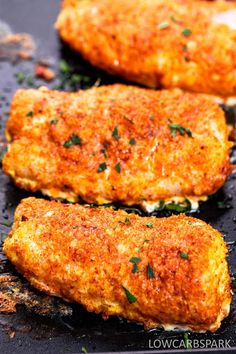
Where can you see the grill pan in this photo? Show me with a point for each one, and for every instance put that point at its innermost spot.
(44, 324)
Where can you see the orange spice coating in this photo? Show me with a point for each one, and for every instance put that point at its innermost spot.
(126, 128)
(83, 254)
(146, 41)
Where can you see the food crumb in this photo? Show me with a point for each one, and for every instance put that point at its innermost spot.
(44, 73)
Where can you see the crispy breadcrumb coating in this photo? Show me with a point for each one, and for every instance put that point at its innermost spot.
(168, 272)
(117, 144)
(158, 43)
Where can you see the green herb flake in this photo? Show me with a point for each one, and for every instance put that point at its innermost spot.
(174, 19)
(174, 128)
(132, 141)
(190, 222)
(84, 350)
(118, 168)
(135, 260)
(149, 224)
(184, 255)
(54, 121)
(150, 272)
(131, 298)
(163, 25)
(135, 268)
(103, 151)
(115, 133)
(30, 114)
(30, 81)
(140, 249)
(102, 167)
(152, 117)
(73, 140)
(221, 205)
(126, 221)
(64, 67)
(161, 205)
(20, 77)
(186, 32)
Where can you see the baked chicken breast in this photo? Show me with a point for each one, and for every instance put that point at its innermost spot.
(158, 43)
(169, 272)
(117, 144)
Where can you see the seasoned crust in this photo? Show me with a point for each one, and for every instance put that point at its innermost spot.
(128, 38)
(117, 125)
(83, 254)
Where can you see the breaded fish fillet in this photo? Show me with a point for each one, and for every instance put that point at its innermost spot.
(117, 144)
(168, 272)
(158, 43)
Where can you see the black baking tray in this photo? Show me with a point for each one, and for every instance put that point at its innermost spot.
(44, 324)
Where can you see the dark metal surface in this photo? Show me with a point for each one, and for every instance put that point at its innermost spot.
(47, 325)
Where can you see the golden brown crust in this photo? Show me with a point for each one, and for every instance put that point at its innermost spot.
(143, 42)
(157, 166)
(83, 254)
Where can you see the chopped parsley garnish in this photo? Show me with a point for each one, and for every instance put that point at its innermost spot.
(132, 141)
(74, 140)
(174, 128)
(103, 151)
(84, 350)
(190, 222)
(78, 78)
(152, 117)
(135, 261)
(54, 121)
(20, 77)
(118, 168)
(163, 25)
(64, 66)
(186, 32)
(115, 134)
(150, 272)
(30, 81)
(126, 221)
(131, 298)
(30, 114)
(149, 224)
(221, 205)
(184, 255)
(102, 167)
(174, 19)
